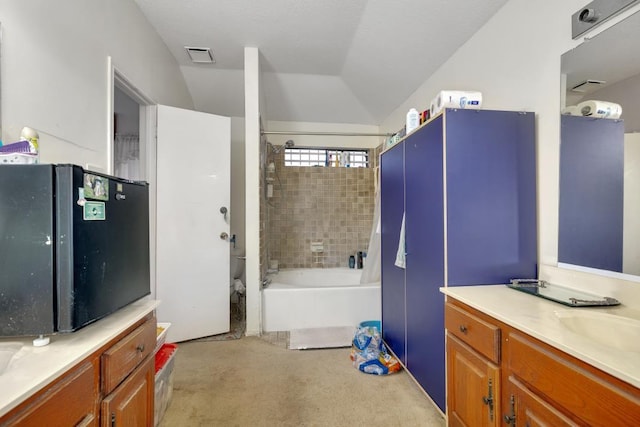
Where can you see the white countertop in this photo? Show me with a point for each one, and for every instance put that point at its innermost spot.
(31, 368)
(535, 316)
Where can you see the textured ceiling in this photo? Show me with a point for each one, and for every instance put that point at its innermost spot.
(341, 61)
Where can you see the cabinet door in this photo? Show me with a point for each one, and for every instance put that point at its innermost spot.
(473, 387)
(491, 196)
(131, 404)
(391, 211)
(424, 233)
(531, 410)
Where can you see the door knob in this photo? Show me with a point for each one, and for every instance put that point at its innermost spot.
(224, 236)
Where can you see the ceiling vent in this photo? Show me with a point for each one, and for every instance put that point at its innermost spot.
(200, 55)
(588, 86)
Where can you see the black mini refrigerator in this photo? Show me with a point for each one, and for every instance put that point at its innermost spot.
(74, 247)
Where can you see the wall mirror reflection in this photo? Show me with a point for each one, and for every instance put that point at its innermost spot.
(599, 207)
(1, 84)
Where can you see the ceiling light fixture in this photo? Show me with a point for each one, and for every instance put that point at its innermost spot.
(200, 55)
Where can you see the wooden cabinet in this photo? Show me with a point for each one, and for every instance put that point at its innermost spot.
(537, 384)
(129, 390)
(483, 336)
(473, 387)
(527, 408)
(131, 404)
(473, 381)
(122, 358)
(585, 394)
(465, 184)
(69, 401)
(114, 386)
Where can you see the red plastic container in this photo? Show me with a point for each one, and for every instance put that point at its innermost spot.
(164, 354)
(165, 358)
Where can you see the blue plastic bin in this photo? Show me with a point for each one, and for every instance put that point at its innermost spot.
(371, 324)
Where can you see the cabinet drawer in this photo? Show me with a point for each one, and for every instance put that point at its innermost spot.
(72, 401)
(593, 398)
(121, 359)
(482, 336)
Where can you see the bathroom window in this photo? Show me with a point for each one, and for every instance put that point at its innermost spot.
(324, 157)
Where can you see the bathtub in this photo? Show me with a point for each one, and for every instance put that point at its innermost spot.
(317, 298)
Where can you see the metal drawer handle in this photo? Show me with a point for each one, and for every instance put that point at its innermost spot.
(488, 400)
(140, 348)
(511, 418)
(463, 329)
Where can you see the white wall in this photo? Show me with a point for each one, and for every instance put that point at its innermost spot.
(252, 196)
(54, 71)
(324, 141)
(237, 210)
(514, 60)
(631, 227)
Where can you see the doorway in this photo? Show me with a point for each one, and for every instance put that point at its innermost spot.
(131, 152)
(127, 162)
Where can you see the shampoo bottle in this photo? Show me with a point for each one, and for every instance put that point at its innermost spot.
(413, 120)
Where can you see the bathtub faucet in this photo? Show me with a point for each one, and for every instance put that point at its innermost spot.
(266, 282)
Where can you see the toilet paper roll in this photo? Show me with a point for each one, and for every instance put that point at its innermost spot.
(571, 110)
(432, 108)
(457, 99)
(238, 286)
(600, 109)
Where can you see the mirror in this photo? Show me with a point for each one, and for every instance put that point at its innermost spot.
(1, 84)
(599, 208)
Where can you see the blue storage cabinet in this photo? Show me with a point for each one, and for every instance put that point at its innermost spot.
(392, 209)
(590, 229)
(469, 189)
(424, 237)
(491, 196)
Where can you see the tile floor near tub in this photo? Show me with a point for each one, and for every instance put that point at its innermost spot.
(279, 339)
(252, 382)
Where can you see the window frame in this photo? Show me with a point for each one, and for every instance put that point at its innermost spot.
(326, 157)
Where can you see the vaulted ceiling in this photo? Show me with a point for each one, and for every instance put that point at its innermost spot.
(340, 61)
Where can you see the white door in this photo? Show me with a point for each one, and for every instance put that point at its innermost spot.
(193, 184)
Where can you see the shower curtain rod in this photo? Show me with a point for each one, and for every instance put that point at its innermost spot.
(264, 132)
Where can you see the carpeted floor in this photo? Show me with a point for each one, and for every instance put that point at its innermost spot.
(251, 382)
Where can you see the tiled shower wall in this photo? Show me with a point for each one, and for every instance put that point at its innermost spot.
(333, 205)
(263, 209)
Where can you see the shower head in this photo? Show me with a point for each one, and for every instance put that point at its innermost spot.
(278, 148)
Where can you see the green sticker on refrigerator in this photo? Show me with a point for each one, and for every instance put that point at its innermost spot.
(94, 211)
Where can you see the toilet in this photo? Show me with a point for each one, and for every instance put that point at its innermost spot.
(236, 279)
